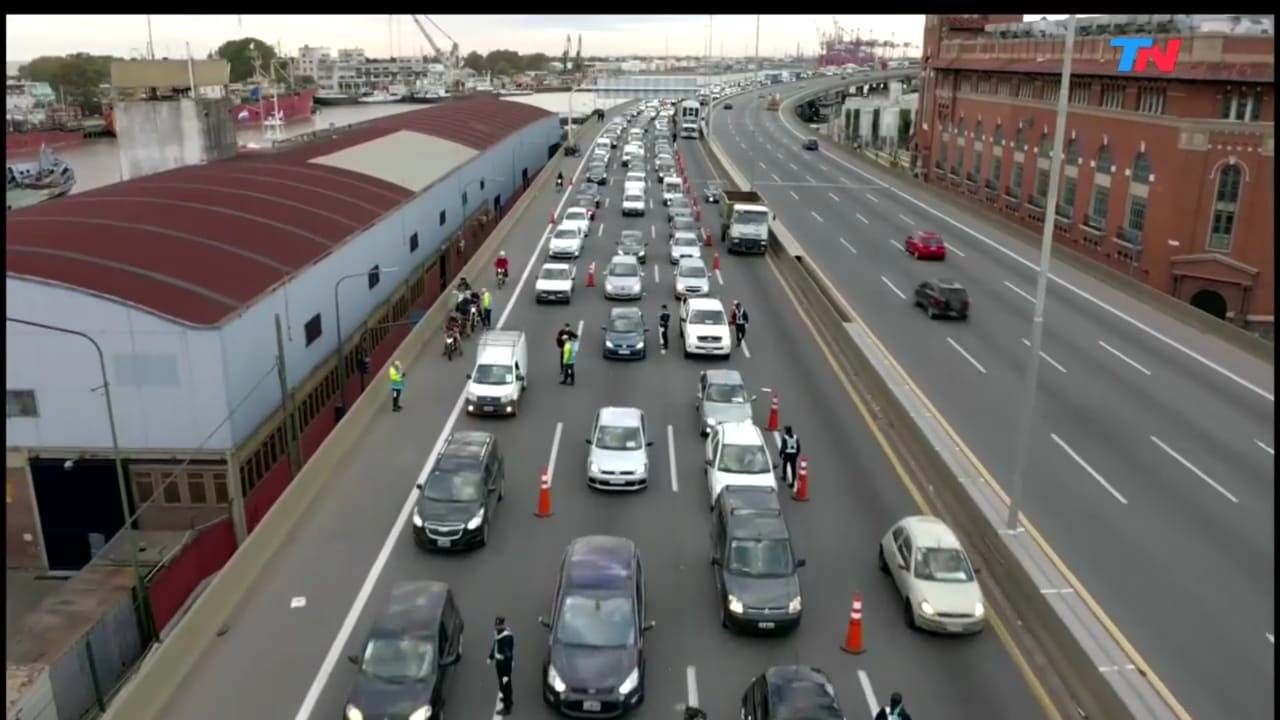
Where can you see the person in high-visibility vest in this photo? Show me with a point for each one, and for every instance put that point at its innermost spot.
(397, 384)
(789, 452)
(569, 357)
(486, 307)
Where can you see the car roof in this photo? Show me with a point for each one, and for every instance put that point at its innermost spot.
(566, 226)
(599, 562)
(757, 523)
(566, 266)
(797, 692)
(704, 303)
(629, 311)
(624, 259)
(414, 606)
(631, 234)
(928, 233)
(723, 376)
(948, 283)
(929, 531)
(577, 208)
(740, 433)
(620, 415)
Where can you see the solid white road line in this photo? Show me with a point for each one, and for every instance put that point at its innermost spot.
(719, 278)
(298, 602)
(691, 677)
(606, 202)
(1118, 354)
(380, 561)
(909, 220)
(762, 165)
(671, 457)
(745, 350)
(600, 230)
(650, 203)
(1264, 447)
(844, 180)
(894, 244)
(862, 218)
(870, 694)
(967, 356)
(1194, 469)
(1057, 591)
(891, 287)
(793, 166)
(775, 177)
(822, 167)
(652, 233)
(655, 274)
(954, 249)
(1015, 288)
(555, 439)
(833, 197)
(793, 194)
(872, 198)
(1046, 357)
(816, 216)
(852, 249)
(1088, 469)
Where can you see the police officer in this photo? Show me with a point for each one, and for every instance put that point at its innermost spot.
(397, 384)
(566, 333)
(569, 358)
(739, 315)
(502, 653)
(789, 453)
(895, 710)
(664, 321)
(486, 307)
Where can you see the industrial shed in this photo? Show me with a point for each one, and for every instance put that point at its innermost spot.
(179, 277)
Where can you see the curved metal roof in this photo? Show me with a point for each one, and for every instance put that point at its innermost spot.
(198, 244)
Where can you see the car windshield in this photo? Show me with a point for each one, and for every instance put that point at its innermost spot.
(565, 234)
(597, 622)
(723, 393)
(943, 565)
(624, 270)
(398, 660)
(683, 222)
(692, 271)
(493, 375)
(930, 240)
(446, 484)
(744, 459)
(576, 214)
(760, 558)
(596, 168)
(618, 437)
(751, 217)
(554, 273)
(713, 188)
(681, 240)
(707, 317)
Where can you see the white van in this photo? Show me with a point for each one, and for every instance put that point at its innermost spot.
(604, 144)
(672, 187)
(500, 376)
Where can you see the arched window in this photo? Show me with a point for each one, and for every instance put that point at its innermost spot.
(998, 136)
(1020, 138)
(1103, 163)
(978, 152)
(958, 166)
(1046, 145)
(977, 132)
(1224, 208)
(1141, 168)
(1073, 152)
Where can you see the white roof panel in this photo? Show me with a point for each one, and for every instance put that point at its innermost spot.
(429, 158)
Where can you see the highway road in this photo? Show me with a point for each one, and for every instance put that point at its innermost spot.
(280, 661)
(1151, 467)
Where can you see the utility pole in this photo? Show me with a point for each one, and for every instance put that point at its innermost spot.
(151, 46)
(286, 395)
(1042, 280)
(757, 42)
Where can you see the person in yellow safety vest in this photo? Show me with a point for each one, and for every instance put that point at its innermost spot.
(486, 307)
(569, 356)
(397, 384)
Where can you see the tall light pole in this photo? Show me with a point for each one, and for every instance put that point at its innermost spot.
(1042, 280)
(142, 603)
(572, 90)
(340, 407)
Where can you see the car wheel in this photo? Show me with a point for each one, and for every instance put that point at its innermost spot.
(910, 615)
(884, 566)
(484, 534)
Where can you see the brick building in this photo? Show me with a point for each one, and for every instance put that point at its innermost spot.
(1167, 176)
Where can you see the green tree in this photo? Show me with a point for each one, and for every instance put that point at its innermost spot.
(536, 62)
(239, 54)
(77, 79)
(475, 61)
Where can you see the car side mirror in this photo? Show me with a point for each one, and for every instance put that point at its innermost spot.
(715, 561)
(418, 486)
(754, 398)
(800, 562)
(544, 622)
(649, 626)
(602, 327)
(468, 376)
(353, 659)
(649, 444)
(588, 441)
(520, 377)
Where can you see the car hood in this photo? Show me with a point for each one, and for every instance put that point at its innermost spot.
(727, 412)
(633, 201)
(720, 331)
(683, 281)
(438, 511)
(614, 460)
(622, 282)
(762, 592)
(623, 338)
(557, 285)
(599, 669)
(958, 598)
(565, 242)
(376, 698)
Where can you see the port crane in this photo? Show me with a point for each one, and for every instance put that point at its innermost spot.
(451, 60)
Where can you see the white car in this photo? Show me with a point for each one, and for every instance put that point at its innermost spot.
(619, 455)
(704, 327)
(623, 279)
(684, 245)
(736, 454)
(566, 242)
(577, 217)
(692, 278)
(932, 572)
(635, 176)
(554, 283)
(633, 201)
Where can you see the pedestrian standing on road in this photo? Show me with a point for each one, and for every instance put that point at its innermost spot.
(397, 384)
(502, 653)
(570, 357)
(486, 307)
(895, 710)
(562, 337)
(788, 453)
(739, 319)
(664, 321)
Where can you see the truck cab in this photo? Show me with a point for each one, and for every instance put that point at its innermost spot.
(744, 222)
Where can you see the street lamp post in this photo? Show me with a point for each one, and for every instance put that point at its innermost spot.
(1042, 279)
(340, 407)
(142, 603)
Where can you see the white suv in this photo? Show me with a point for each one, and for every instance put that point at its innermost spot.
(704, 327)
(736, 454)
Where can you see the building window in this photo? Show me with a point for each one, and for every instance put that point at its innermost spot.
(20, 403)
(464, 198)
(1080, 92)
(1137, 219)
(1067, 203)
(1224, 208)
(312, 329)
(997, 137)
(1113, 95)
(1026, 88)
(1073, 152)
(1045, 149)
(413, 242)
(1151, 99)
(1003, 88)
(1049, 90)
(1242, 105)
(1015, 181)
(994, 178)
(1103, 163)
(1141, 169)
(441, 218)
(1041, 188)
(375, 277)
(984, 85)
(1020, 138)
(977, 132)
(197, 489)
(144, 487)
(1097, 217)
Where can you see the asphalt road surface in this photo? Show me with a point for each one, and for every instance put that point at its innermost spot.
(1151, 467)
(278, 661)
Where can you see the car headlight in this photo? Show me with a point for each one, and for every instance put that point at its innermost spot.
(979, 610)
(553, 679)
(353, 713)
(474, 522)
(593, 468)
(608, 344)
(630, 683)
(735, 605)
(926, 608)
(421, 713)
(794, 605)
(417, 519)
(640, 345)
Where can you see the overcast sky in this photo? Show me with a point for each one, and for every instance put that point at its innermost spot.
(28, 36)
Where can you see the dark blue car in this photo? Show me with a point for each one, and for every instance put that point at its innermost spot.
(624, 334)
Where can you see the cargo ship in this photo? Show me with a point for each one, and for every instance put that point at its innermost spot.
(288, 106)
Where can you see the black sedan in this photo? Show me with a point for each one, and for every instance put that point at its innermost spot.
(811, 144)
(624, 334)
(943, 298)
(755, 569)
(460, 494)
(595, 659)
(728, 106)
(791, 691)
(598, 174)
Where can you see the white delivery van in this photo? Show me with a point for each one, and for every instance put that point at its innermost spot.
(672, 187)
(500, 376)
(604, 144)
(689, 129)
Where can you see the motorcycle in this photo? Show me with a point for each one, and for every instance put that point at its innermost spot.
(502, 278)
(452, 345)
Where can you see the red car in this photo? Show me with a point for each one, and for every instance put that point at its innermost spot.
(926, 245)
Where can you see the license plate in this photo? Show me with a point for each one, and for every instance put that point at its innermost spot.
(591, 705)
(624, 352)
(766, 626)
(444, 543)
(488, 408)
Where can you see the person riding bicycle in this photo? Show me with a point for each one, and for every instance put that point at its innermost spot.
(502, 266)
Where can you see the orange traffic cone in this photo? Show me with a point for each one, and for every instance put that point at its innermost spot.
(801, 492)
(697, 213)
(773, 414)
(544, 496)
(706, 237)
(553, 217)
(853, 636)
(591, 275)
(715, 260)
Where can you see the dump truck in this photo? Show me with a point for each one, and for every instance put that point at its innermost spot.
(744, 222)
(775, 101)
